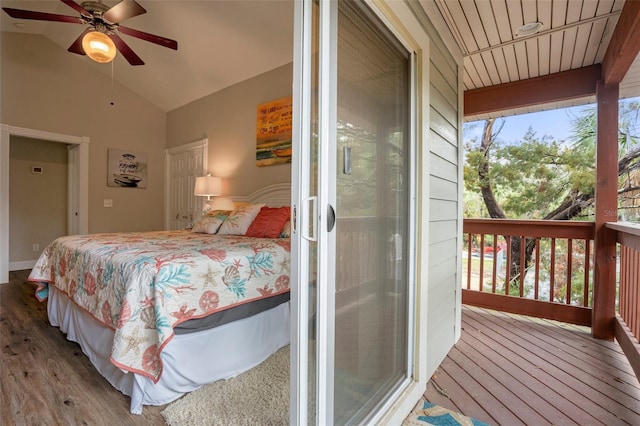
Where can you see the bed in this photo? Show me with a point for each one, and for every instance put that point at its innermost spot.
(160, 314)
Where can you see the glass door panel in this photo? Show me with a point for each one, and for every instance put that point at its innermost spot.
(372, 206)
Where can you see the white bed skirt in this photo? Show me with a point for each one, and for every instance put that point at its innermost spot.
(189, 361)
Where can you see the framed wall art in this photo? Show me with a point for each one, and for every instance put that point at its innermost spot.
(126, 169)
(273, 132)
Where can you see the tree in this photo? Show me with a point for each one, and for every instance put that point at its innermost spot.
(543, 178)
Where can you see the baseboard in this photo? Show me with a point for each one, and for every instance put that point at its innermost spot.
(21, 265)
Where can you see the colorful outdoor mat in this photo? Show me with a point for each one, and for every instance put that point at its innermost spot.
(427, 413)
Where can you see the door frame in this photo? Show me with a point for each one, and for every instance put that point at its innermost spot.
(204, 142)
(82, 172)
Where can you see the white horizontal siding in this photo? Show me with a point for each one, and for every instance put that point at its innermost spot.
(443, 169)
(443, 226)
(442, 231)
(441, 210)
(440, 253)
(443, 189)
(444, 147)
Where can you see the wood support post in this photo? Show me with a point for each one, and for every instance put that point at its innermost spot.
(604, 291)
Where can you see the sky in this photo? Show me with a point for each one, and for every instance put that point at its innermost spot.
(555, 123)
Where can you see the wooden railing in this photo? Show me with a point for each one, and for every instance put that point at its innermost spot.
(557, 259)
(628, 303)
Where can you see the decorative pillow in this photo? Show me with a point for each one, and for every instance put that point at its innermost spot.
(239, 219)
(269, 222)
(210, 223)
(219, 213)
(286, 230)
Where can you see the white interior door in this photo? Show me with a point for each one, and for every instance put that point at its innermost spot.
(353, 185)
(184, 164)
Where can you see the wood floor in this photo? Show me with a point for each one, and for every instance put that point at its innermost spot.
(515, 370)
(47, 380)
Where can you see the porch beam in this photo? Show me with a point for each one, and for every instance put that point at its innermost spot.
(624, 45)
(604, 291)
(556, 87)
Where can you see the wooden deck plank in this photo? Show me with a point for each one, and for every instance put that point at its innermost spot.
(600, 353)
(499, 412)
(539, 369)
(605, 360)
(557, 370)
(500, 390)
(543, 377)
(606, 403)
(571, 365)
(512, 375)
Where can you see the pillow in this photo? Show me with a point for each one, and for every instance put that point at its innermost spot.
(206, 225)
(239, 219)
(210, 223)
(269, 222)
(219, 213)
(286, 230)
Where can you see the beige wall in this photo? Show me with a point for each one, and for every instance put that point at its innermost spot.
(38, 206)
(228, 119)
(44, 87)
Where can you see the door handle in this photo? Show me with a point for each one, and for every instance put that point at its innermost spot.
(309, 219)
(331, 217)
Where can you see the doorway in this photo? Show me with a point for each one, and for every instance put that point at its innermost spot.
(79, 172)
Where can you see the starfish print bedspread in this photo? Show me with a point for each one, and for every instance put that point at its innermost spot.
(142, 284)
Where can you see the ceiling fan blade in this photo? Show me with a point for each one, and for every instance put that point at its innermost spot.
(124, 10)
(162, 41)
(76, 47)
(126, 51)
(41, 16)
(81, 10)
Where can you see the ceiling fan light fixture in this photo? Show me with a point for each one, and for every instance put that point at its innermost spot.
(99, 47)
(529, 28)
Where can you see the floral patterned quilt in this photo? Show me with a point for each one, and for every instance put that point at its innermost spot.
(142, 284)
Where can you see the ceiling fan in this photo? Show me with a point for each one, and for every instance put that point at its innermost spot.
(103, 30)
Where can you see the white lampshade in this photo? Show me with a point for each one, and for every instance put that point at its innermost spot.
(208, 186)
(99, 47)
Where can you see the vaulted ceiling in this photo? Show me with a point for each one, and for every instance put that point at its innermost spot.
(222, 42)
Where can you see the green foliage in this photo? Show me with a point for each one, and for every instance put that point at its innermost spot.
(529, 177)
(532, 176)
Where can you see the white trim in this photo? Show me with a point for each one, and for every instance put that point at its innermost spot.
(300, 172)
(6, 132)
(21, 265)
(327, 119)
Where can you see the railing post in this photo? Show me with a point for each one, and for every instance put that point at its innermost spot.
(604, 291)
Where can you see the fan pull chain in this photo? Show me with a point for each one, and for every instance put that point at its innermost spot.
(111, 103)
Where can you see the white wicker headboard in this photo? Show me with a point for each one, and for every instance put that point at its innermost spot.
(275, 195)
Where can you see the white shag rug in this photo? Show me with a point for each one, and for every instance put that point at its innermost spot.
(259, 396)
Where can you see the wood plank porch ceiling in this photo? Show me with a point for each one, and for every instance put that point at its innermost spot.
(576, 34)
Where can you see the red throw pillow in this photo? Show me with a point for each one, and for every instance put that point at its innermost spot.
(269, 222)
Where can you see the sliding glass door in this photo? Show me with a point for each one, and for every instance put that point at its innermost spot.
(352, 190)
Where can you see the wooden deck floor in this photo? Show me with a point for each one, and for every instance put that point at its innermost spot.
(515, 370)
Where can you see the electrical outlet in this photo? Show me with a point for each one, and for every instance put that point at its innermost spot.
(35, 247)
(108, 202)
